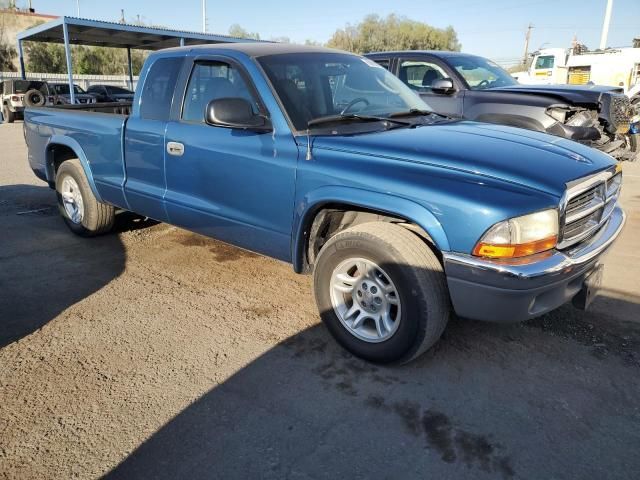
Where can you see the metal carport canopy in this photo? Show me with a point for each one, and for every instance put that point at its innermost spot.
(80, 31)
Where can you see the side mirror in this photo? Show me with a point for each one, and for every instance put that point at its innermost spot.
(443, 85)
(235, 113)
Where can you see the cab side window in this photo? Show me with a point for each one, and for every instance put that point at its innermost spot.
(212, 81)
(158, 89)
(383, 62)
(420, 75)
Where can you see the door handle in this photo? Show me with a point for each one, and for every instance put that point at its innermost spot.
(175, 148)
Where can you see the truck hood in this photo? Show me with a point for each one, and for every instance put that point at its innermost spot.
(531, 159)
(579, 94)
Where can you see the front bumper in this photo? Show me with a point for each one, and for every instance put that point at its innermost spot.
(16, 108)
(484, 289)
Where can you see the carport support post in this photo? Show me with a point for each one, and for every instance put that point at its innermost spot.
(182, 42)
(67, 52)
(23, 74)
(130, 68)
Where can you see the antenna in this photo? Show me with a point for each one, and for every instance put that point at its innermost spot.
(309, 154)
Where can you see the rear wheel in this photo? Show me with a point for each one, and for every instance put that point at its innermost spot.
(9, 116)
(80, 209)
(381, 292)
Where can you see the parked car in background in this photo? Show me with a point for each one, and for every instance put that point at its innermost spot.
(62, 95)
(110, 93)
(475, 88)
(18, 93)
(326, 160)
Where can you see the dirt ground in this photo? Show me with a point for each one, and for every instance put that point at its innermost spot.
(157, 353)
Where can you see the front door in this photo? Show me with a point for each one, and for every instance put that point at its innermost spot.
(419, 74)
(231, 184)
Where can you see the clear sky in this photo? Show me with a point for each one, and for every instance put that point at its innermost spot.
(493, 28)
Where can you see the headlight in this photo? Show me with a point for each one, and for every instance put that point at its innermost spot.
(559, 114)
(520, 236)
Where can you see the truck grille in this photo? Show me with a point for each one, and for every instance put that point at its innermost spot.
(587, 209)
(620, 112)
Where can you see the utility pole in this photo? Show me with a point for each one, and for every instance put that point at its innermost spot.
(605, 25)
(526, 44)
(78, 8)
(204, 16)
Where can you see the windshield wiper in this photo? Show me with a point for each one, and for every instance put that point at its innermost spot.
(416, 111)
(354, 116)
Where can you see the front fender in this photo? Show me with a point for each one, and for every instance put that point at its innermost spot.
(77, 149)
(512, 120)
(314, 201)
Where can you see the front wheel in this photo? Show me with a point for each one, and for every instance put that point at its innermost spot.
(381, 292)
(80, 209)
(632, 143)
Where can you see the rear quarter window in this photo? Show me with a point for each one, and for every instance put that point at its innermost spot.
(159, 86)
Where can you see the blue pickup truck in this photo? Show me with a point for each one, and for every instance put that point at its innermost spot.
(326, 160)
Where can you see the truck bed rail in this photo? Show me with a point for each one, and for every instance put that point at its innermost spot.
(118, 108)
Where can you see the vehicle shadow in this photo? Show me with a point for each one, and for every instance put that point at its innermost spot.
(45, 268)
(488, 401)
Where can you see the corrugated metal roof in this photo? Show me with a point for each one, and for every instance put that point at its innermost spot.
(84, 31)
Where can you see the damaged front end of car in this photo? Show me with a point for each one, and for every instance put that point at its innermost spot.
(611, 127)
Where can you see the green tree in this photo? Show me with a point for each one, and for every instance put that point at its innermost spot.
(7, 55)
(237, 31)
(393, 33)
(106, 61)
(7, 51)
(45, 57)
(50, 58)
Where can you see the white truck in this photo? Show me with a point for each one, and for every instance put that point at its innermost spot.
(619, 67)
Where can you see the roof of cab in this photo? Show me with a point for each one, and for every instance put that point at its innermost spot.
(256, 49)
(438, 53)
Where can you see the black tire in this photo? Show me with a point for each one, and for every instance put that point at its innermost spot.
(9, 116)
(633, 145)
(98, 217)
(34, 98)
(415, 271)
(630, 145)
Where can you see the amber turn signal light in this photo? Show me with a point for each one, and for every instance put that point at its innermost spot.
(514, 251)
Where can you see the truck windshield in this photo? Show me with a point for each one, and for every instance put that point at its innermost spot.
(23, 86)
(316, 85)
(63, 89)
(545, 61)
(481, 73)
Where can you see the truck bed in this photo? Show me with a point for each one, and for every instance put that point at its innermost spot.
(96, 131)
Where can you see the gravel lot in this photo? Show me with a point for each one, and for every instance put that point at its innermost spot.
(157, 353)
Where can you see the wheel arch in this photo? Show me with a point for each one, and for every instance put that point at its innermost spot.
(337, 208)
(512, 120)
(61, 148)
